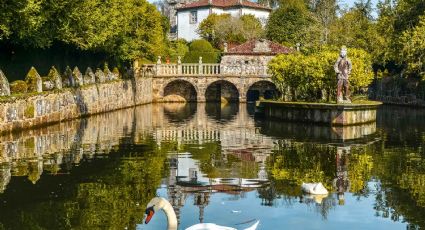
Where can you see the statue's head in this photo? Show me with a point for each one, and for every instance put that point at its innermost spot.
(343, 53)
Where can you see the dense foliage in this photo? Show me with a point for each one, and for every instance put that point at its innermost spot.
(201, 48)
(126, 29)
(218, 29)
(178, 48)
(292, 23)
(392, 33)
(312, 77)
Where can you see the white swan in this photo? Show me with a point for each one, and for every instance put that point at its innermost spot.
(314, 188)
(159, 203)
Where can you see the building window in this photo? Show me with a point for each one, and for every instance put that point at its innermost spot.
(193, 17)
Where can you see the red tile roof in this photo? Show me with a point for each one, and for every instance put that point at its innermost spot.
(224, 4)
(248, 48)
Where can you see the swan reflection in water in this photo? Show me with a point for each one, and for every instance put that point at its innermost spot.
(159, 203)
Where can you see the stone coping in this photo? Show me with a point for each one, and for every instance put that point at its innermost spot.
(317, 105)
(323, 113)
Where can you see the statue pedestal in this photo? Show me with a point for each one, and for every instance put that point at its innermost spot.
(321, 113)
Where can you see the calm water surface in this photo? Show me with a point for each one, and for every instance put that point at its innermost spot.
(216, 164)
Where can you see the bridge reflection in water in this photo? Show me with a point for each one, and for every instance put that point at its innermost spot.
(209, 149)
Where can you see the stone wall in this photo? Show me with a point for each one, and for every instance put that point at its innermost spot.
(36, 109)
(201, 84)
(57, 147)
(245, 64)
(330, 114)
(409, 100)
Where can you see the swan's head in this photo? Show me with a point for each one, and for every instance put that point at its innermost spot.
(156, 204)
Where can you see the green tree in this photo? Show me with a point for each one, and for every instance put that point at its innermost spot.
(355, 29)
(178, 48)
(325, 12)
(292, 23)
(218, 29)
(311, 77)
(25, 22)
(408, 14)
(125, 29)
(413, 52)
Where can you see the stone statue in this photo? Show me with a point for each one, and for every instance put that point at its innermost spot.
(343, 70)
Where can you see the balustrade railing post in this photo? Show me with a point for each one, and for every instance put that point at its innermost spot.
(200, 70)
(158, 66)
(179, 65)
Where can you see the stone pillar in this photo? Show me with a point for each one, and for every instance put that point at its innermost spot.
(136, 64)
(67, 78)
(99, 76)
(179, 65)
(4, 85)
(158, 66)
(201, 71)
(55, 77)
(78, 77)
(89, 77)
(34, 82)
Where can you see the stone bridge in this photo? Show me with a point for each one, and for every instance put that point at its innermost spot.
(200, 82)
(241, 75)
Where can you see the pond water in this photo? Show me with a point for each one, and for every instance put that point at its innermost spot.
(214, 163)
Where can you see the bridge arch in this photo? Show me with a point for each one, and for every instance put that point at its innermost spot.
(222, 91)
(263, 88)
(180, 91)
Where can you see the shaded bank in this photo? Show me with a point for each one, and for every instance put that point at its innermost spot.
(15, 61)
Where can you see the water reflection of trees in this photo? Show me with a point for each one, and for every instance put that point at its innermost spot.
(108, 193)
(340, 168)
(399, 175)
(112, 190)
(401, 191)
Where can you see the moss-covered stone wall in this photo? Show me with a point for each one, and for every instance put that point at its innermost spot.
(37, 109)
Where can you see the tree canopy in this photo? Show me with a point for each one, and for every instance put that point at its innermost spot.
(126, 29)
(218, 29)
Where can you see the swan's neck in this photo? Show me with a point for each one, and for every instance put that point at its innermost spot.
(171, 216)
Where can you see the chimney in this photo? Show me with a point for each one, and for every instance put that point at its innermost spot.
(209, 2)
(240, 2)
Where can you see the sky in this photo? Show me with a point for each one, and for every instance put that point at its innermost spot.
(351, 2)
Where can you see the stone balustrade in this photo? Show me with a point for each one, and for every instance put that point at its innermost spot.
(186, 69)
(205, 69)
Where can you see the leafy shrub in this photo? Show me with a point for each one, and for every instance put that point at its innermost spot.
(308, 77)
(18, 86)
(178, 48)
(201, 48)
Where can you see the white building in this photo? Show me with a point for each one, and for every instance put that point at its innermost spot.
(190, 15)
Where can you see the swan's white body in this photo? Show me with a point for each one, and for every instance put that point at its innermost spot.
(159, 203)
(314, 188)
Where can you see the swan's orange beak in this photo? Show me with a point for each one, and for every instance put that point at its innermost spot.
(149, 213)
